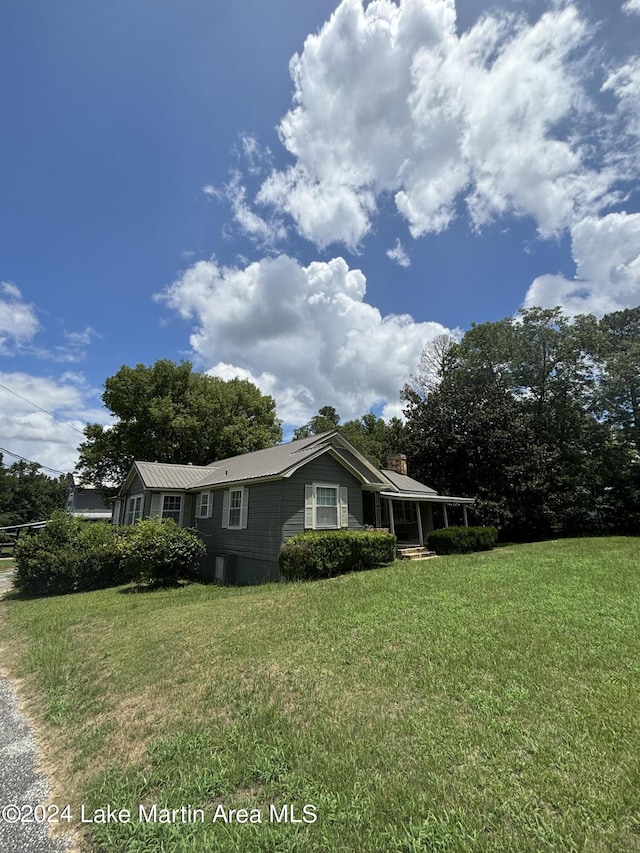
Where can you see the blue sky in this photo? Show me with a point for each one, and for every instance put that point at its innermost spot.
(302, 194)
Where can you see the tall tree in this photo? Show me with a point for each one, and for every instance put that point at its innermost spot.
(169, 413)
(512, 421)
(326, 420)
(26, 494)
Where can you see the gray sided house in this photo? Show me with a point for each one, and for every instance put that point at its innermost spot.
(245, 507)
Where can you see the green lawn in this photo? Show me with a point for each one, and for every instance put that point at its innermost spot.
(489, 702)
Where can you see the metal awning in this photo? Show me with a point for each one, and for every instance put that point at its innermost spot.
(426, 497)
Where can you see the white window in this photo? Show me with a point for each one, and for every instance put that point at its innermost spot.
(134, 509)
(172, 507)
(326, 506)
(205, 505)
(235, 508)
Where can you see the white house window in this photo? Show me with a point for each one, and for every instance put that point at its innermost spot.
(172, 507)
(134, 509)
(204, 505)
(326, 499)
(326, 506)
(235, 508)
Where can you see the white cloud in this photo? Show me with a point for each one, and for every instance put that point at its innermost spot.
(29, 432)
(631, 6)
(624, 82)
(18, 321)
(399, 255)
(607, 255)
(303, 334)
(390, 100)
(264, 232)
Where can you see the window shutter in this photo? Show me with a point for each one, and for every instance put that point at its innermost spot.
(244, 512)
(225, 508)
(156, 505)
(210, 505)
(344, 506)
(308, 507)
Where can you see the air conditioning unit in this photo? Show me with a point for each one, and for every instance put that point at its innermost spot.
(225, 568)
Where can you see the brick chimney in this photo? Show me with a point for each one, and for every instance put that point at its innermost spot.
(397, 463)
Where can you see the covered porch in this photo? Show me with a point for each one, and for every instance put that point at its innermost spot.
(410, 516)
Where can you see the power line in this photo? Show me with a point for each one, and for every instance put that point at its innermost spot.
(35, 405)
(22, 459)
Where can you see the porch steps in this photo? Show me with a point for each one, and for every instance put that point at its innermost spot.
(414, 552)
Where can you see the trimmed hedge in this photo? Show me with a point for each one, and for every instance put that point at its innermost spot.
(73, 555)
(69, 555)
(462, 540)
(323, 554)
(158, 551)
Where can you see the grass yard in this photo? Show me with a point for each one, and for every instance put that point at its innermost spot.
(488, 702)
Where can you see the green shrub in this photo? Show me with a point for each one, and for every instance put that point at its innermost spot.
(462, 540)
(323, 554)
(156, 550)
(68, 555)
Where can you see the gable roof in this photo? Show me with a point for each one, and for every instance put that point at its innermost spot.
(281, 462)
(160, 475)
(284, 459)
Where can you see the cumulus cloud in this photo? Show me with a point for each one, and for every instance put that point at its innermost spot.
(18, 321)
(607, 255)
(33, 433)
(390, 100)
(631, 6)
(303, 334)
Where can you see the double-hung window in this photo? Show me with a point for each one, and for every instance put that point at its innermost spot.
(326, 506)
(204, 505)
(172, 507)
(326, 500)
(235, 508)
(134, 509)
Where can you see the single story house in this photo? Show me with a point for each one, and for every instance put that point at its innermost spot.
(245, 507)
(86, 502)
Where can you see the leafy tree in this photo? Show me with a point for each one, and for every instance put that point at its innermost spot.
(169, 413)
(618, 348)
(525, 415)
(26, 494)
(369, 434)
(326, 420)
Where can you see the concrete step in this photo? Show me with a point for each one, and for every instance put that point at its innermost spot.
(414, 552)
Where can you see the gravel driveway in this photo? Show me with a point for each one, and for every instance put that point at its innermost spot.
(20, 783)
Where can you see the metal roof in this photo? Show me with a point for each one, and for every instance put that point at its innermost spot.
(408, 484)
(284, 459)
(160, 475)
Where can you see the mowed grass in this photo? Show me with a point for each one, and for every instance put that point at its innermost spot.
(489, 702)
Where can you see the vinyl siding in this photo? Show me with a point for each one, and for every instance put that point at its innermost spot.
(323, 470)
(256, 547)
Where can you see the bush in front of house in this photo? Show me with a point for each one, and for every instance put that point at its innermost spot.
(462, 540)
(158, 551)
(68, 555)
(323, 554)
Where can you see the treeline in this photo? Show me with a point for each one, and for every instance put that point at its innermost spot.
(539, 417)
(536, 416)
(28, 495)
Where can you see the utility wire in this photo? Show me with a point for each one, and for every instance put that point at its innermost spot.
(31, 403)
(22, 459)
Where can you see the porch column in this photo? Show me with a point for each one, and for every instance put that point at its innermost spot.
(446, 517)
(419, 517)
(464, 515)
(392, 525)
